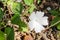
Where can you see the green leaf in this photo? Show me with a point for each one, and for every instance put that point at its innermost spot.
(24, 29)
(16, 20)
(1, 14)
(39, 1)
(16, 7)
(2, 24)
(54, 12)
(28, 2)
(2, 36)
(10, 33)
(32, 7)
(56, 19)
(58, 26)
(22, 25)
(3, 0)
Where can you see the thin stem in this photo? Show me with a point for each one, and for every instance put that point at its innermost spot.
(53, 25)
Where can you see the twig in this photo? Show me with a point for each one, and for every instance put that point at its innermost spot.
(53, 25)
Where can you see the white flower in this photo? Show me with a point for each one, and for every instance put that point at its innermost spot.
(48, 8)
(37, 20)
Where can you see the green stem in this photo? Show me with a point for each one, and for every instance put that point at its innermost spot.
(53, 24)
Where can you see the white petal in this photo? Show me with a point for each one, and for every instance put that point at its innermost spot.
(44, 21)
(39, 14)
(36, 26)
(48, 8)
(31, 26)
(32, 16)
(39, 28)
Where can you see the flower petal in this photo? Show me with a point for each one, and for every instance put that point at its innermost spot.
(36, 26)
(32, 16)
(31, 26)
(39, 28)
(44, 20)
(39, 14)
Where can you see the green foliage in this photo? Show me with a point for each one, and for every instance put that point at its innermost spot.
(2, 36)
(16, 20)
(24, 29)
(2, 24)
(10, 33)
(16, 7)
(31, 8)
(28, 2)
(58, 26)
(54, 12)
(39, 1)
(56, 19)
(1, 14)
(3, 0)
